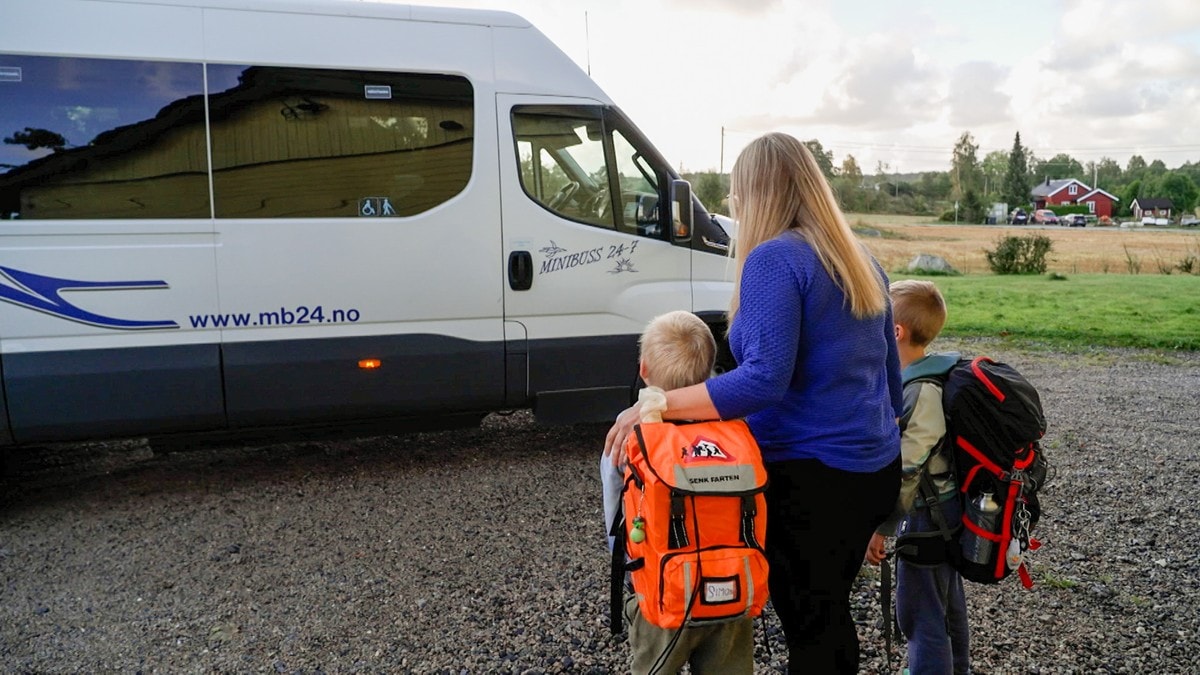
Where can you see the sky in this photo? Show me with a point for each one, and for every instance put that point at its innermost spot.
(893, 84)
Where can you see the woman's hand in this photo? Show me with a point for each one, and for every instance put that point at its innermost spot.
(876, 551)
(614, 442)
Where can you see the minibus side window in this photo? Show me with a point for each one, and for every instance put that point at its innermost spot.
(311, 143)
(576, 165)
(639, 190)
(101, 138)
(563, 165)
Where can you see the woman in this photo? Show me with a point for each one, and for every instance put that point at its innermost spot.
(818, 380)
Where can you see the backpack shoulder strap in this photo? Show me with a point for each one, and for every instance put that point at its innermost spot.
(616, 580)
(932, 367)
(930, 496)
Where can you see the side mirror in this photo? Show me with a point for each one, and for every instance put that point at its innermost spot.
(681, 211)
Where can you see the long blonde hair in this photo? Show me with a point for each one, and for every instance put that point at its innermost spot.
(776, 185)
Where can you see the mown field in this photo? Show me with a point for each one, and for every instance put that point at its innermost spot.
(1105, 287)
(1090, 250)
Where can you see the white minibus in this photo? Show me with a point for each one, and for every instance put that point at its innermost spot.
(228, 214)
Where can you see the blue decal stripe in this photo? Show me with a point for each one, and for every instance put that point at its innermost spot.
(42, 293)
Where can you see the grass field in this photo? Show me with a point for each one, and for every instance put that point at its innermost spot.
(1109, 286)
(1100, 250)
(1090, 310)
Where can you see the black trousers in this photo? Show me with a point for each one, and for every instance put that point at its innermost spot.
(819, 522)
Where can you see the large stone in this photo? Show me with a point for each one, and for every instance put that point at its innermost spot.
(930, 263)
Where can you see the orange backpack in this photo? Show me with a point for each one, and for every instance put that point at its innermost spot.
(694, 524)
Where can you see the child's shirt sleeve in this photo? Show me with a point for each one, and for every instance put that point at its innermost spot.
(922, 427)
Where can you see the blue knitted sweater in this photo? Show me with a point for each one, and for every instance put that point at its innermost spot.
(812, 381)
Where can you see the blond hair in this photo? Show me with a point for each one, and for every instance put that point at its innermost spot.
(677, 350)
(920, 308)
(776, 186)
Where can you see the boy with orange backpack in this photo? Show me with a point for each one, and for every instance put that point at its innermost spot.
(687, 520)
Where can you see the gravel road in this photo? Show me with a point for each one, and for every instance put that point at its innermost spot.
(481, 551)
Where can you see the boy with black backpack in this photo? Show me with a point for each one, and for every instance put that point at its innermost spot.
(677, 349)
(930, 604)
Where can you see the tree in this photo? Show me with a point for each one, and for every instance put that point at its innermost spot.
(1135, 168)
(972, 209)
(1128, 194)
(37, 138)
(850, 169)
(1016, 178)
(1177, 187)
(848, 186)
(965, 174)
(1156, 168)
(1108, 173)
(934, 185)
(994, 164)
(711, 191)
(1033, 165)
(1192, 170)
(824, 158)
(1061, 165)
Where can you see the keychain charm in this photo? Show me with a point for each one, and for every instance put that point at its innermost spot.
(638, 535)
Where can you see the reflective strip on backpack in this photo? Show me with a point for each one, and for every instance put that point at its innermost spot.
(749, 583)
(687, 590)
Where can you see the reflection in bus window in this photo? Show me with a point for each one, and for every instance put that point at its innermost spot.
(639, 189)
(570, 176)
(101, 138)
(296, 142)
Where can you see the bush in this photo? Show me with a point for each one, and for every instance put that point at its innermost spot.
(1020, 255)
(1065, 209)
(1189, 265)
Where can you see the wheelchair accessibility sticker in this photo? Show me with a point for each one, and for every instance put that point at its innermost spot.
(372, 207)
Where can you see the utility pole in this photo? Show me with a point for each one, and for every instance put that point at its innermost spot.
(721, 169)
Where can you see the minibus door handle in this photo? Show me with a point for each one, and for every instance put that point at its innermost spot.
(520, 270)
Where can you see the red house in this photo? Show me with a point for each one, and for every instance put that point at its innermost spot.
(1070, 191)
(1099, 202)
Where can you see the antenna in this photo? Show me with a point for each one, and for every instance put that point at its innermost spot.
(721, 169)
(587, 39)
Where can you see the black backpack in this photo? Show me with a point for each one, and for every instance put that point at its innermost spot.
(994, 422)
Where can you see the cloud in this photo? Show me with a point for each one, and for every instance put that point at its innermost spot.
(975, 98)
(1109, 22)
(1095, 91)
(727, 6)
(875, 83)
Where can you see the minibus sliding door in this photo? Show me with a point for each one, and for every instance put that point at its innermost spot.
(5, 433)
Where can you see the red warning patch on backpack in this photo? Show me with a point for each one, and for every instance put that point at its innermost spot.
(705, 449)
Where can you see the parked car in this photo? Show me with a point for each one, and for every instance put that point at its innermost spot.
(1045, 217)
(1018, 217)
(1189, 221)
(1074, 220)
